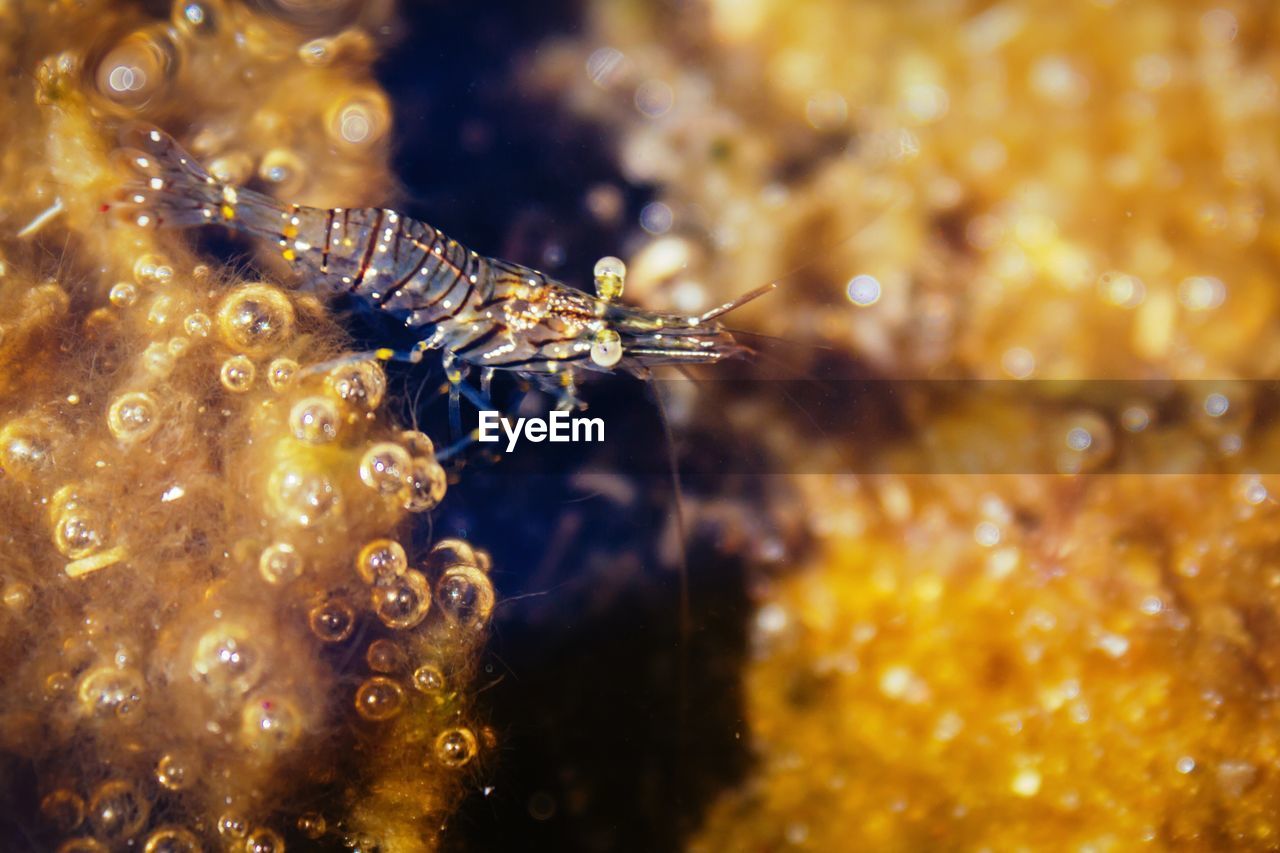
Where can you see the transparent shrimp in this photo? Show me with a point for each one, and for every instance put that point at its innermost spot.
(481, 312)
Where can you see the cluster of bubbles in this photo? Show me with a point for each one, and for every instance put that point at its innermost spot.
(205, 495)
(404, 672)
(325, 465)
(312, 123)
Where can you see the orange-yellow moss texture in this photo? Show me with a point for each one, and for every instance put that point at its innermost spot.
(1010, 173)
(217, 632)
(1033, 189)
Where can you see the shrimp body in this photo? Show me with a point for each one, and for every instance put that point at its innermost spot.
(481, 312)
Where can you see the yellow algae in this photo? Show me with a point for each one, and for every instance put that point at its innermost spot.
(181, 525)
(1020, 190)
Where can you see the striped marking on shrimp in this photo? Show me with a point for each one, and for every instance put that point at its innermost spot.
(368, 251)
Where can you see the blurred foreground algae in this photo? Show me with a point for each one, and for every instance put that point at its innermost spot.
(218, 632)
(970, 190)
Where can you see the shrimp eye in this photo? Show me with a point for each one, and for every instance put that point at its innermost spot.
(610, 274)
(606, 348)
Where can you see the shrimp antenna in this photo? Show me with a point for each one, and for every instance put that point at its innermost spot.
(738, 302)
(682, 532)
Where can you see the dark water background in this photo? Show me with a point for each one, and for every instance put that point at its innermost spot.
(615, 730)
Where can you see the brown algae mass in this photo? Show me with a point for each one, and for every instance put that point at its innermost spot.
(201, 509)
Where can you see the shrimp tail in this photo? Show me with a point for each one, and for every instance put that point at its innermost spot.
(170, 189)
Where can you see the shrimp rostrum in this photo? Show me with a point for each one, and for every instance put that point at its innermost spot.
(482, 313)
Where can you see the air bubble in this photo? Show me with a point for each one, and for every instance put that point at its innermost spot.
(1121, 289)
(158, 361)
(57, 684)
(197, 324)
(456, 747)
(225, 661)
(1018, 362)
(301, 497)
(361, 843)
(379, 698)
(381, 561)
(172, 839)
(173, 772)
(117, 810)
(1088, 442)
(314, 420)
(138, 68)
(428, 679)
(284, 170)
(404, 602)
(419, 444)
(280, 563)
(359, 122)
(263, 840)
(312, 825)
(63, 810)
(465, 595)
(26, 450)
(424, 487)
(1135, 418)
(383, 656)
(198, 17)
(269, 725)
(332, 621)
(17, 596)
(81, 845)
(232, 826)
(78, 532)
(385, 468)
(317, 52)
(123, 294)
(152, 268)
(1202, 293)
(256, 318)
(160, 311)
(361, 384)
(1253, 492)
(108, 691)
(987, 534)
(235, 168)
(451, 551)
(237, 374)
(654, 98)
(604, 66)
(863, 290)
(281, 372)
(656, 218)
(133, 416)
